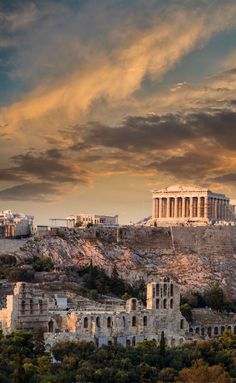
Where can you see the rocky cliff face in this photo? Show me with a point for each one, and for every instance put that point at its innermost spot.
(195, 256)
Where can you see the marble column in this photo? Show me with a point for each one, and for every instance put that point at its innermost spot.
(183, 207)
(168, 208)
(199, 207)
(176, 208)
(191, 207)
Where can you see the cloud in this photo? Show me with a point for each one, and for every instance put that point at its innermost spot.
(29, 191)
(115, 74)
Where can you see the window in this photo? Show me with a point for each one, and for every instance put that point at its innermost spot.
(164, 304)
(145, 320)
(134, 321)
(171, 289)
(98, 322)
(109, 322)
(158, 289)
(85, 322)
(157, 304)
(182, 325)
(22, 307)
(171, 303)
(165, 289)
(123, 321)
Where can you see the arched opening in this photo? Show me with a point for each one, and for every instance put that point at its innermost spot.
(157, 289)
(171, 303)
(50, 326)
(197, 330)
(134, 321)
(22, 307)
(229, 328)
(133, 305)
(171, 290)
(164, 303)
(182, 325)
(190, 330)
(216, 331)
(127, 342)
(203, 331)
(209, 331)
(31, 306)
(123, 321)
(40, 306)
(165, 289)
(157, 304)
(109, 343)
(145, 320)
(85, 322)
(98, 322)
(109, 322)
(222, 329)
(133, 341)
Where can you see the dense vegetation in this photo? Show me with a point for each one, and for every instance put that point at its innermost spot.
(23, 360)
(213, 297)
(96, 281)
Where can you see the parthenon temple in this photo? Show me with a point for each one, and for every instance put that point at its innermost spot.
(190, 204)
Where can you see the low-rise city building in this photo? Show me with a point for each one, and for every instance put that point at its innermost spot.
(15, 225)
(94, 219)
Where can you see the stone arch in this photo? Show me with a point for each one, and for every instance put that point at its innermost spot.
(85, 322)
(98, 324)
(123, 318)
(133, 341)
(51, 326)
(109, 322)
(145, 320)
(165, 289)
(134, 321)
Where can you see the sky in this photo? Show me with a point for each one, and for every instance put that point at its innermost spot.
(103, 101)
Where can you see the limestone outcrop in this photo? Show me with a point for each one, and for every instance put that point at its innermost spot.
(195, 256)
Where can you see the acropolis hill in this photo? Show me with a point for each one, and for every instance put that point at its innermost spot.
(195, 256)
(191, 236)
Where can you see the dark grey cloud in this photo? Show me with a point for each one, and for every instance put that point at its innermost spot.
(140, 134)
(228, 178)
(29, 192)
(47, 166)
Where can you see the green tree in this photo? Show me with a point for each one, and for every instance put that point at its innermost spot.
(214, 297)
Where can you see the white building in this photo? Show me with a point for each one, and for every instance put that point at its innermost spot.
(15, 225)
(94, 219)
